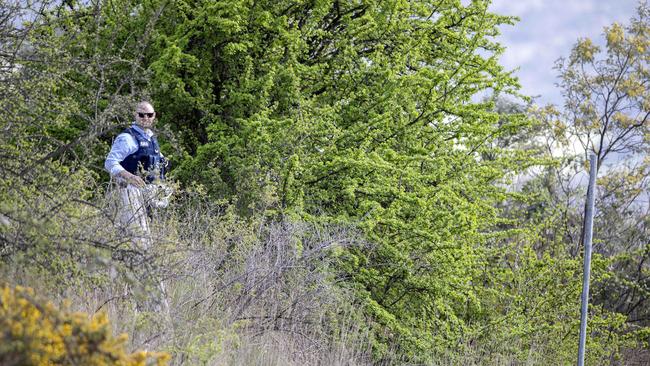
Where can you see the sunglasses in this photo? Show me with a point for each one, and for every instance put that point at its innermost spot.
(148, 115)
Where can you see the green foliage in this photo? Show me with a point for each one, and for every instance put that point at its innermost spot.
(606, 101)
(607, 113)
(350, 113)
(530, 306)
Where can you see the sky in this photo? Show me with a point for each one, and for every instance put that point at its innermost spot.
(547, 30)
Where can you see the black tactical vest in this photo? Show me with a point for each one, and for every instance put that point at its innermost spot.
(146, 159)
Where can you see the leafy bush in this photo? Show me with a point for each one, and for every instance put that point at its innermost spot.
(38, 333)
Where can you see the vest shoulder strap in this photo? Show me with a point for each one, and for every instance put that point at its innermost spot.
(135, 134)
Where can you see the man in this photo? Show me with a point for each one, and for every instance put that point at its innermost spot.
(135, 163)
(136, 151)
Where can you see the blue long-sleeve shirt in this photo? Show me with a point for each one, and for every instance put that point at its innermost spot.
(123, 146)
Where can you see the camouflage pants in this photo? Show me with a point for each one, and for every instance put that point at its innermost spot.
(132, 216)
(133, 221)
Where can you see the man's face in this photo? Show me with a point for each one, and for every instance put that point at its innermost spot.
(145, 116)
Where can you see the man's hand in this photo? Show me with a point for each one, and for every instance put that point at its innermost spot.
(131, 178)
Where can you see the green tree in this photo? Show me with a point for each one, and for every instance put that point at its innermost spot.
(345, 112)
(604, 114)
(608, 112)
(355, 112)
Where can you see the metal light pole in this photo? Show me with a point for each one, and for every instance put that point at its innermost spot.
(589, 226)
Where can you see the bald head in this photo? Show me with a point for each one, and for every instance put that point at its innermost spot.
(145, 115)
(144, 105)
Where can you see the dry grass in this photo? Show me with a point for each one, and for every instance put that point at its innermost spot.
(217, 289)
